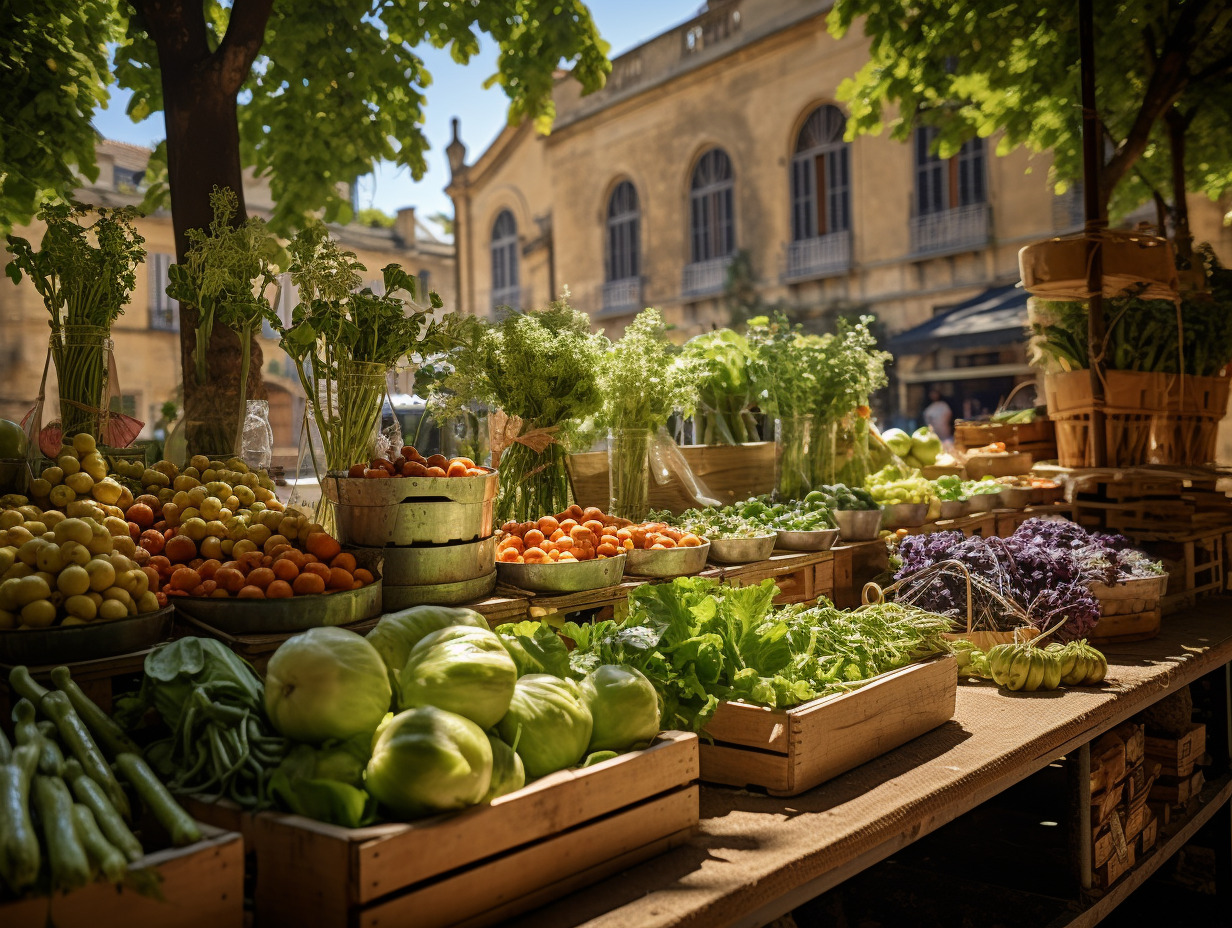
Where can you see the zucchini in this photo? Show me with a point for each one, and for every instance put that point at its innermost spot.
(112, 824)
(179, 824)
(19, 846)
(76, 737)
(100, 851)
(70, 867)
(107, 733)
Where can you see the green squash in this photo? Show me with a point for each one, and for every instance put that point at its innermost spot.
(1024, 667)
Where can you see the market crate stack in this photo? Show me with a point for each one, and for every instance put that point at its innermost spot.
(1124, 827)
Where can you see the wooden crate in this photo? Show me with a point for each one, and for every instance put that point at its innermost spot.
(983, 524)
(800, 576)
(202, 886)
(788, 751)
(1107, 764)
(1177, 791)
(1116, 866)
(485, 864)
(730, 472)
(1150, 834)
(102, 680)
(1105, 803)
(869, 560)
(1177, 756)
(1114, 629)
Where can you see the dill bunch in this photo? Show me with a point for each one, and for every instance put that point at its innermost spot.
(646, 378)
(791, 377)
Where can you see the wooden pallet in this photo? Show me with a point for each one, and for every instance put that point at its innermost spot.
(1195, 567)
(202, 886)
(102, 680)
(485, 864)
(788, 751)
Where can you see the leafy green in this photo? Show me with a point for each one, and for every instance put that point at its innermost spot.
(645, 377)
(790, 372)
(727, 388)
(326, 783)
(535, 648)
(700, 642)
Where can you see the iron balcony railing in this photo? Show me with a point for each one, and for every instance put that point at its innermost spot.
(621, 295)
(951, 229)
(705, 277)
(819, 257)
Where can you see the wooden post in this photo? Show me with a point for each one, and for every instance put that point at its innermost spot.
(1091, 158)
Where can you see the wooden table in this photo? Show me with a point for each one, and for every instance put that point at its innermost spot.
(756, 857)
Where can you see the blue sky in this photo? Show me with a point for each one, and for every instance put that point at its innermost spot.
(455, 91)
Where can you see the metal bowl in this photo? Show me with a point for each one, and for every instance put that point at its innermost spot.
(429, 564)
(904, 515)
(742, 550)
(816, 540)
(360, 491)
(438, 522)
(667, 562)
(954, 508)
(267, 616)
(69, 644)
(984, 502)
(569, 577)
(858, 524)
(1015, 497)
(437, 594)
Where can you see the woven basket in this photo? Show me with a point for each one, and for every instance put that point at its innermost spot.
(1188, 431)
(1056, 269)
(1130, 597)
(1132, 400)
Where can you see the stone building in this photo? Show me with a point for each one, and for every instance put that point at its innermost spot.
(146, 336)
(723, 137)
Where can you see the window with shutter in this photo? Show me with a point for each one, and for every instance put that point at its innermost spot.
(505, 261)
(623, 233)
(164, 311)
(821, 176)
(712, 224)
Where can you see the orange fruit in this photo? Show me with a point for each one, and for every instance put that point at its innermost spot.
(279, 589)
(308, 584)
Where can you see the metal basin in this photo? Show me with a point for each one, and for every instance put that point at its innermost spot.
(858, 524)
(905, 515)
(569, 577)
(267, 616)
(1015, 497)
(429, 564)
(818, 540)
(69, 644)
(742, 550)
(667, 562)
(439, 522)
(360, 491)
(984, 502)
(438, 594)
(953, 508)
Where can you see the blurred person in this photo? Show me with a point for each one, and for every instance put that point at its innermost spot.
(939, 417)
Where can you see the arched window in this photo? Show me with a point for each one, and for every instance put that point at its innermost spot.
(820, 177)
(505, 261)
(947, 183)
(624, 223)
(425, 277)
(713, 233)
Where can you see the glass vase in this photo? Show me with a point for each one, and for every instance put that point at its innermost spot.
(628, 473)
(257, 445)
(824, 469)
(534, 481)
(82, 357)
(348, 413)
(792, 437)
(852, 454)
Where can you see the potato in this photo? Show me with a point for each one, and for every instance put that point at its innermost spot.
(69, 464)
(31, 589)
(107, 491)
(125, 545)
(101, 541)
(95, 465)
(62, 495)
(50, 559)
(40, 488)
(53, 475)
(84, 443)
(8, 619)
(74, 552)
(79, 483)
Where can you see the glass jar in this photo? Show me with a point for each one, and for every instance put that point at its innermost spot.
(792, 437)
(257, 445)
(82, 355)
(534, 481)
(628, 473)
(349, 413)
(824, 463)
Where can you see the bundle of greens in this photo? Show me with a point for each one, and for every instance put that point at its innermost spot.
(345, 340)
(700, 642)
(644, 380)
(230, 276)
(727, 390)
(542, 368)
(85, 275)
(791, 371)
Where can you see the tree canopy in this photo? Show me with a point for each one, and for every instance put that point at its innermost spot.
(971, 68)
(325, 89)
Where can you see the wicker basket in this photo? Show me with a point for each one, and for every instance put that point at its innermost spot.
(1130, 597)
(1056, 269)
(1187, 432)
(1132, 401)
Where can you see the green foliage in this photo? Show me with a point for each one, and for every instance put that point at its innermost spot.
(847, 368)
(791, 377)
(84, 273)
(339, 87)
(54, 71)
(376, 218)
(645, 378)
(731, 371)
(971, 69)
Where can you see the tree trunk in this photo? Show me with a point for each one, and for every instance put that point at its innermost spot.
(1182, 237)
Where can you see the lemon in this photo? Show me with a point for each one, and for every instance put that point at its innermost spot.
(73, 580)
(8, 619)
(112, 609)
(81, 606)
(80, 483)
(84, 443)
(8, 557)
(95, 465)
(50, 559)
(52, 475)
(38, 614)
(102, 574)
(8, 594)
(31, 589)
(148, 602)
(69, 464)
(195, 528)
(40, 488)
(71, 529)
(107, 491)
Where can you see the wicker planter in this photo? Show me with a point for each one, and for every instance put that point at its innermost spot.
(1056, 269)
(1132, 401)
(1186, 432)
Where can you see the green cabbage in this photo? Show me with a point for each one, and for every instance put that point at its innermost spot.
(461, 669)
(508, 774)
(548, 721)
(624, 706)
(428, 760)
(396, 633)
(326, 683)
(326, 783)
(535, 648)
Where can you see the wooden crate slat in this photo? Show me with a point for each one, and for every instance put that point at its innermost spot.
(202, 887)
(741, 766)
(751, 726)
(504, 880)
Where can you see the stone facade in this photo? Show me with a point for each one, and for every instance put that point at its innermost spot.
(146, 336)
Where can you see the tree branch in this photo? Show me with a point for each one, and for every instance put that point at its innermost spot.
(1220, 68)
(177, 28)
(243, 40)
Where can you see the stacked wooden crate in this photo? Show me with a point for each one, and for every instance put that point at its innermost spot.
(1180, 781)
(1123, 824)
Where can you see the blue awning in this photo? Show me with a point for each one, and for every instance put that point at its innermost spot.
(996, 317)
